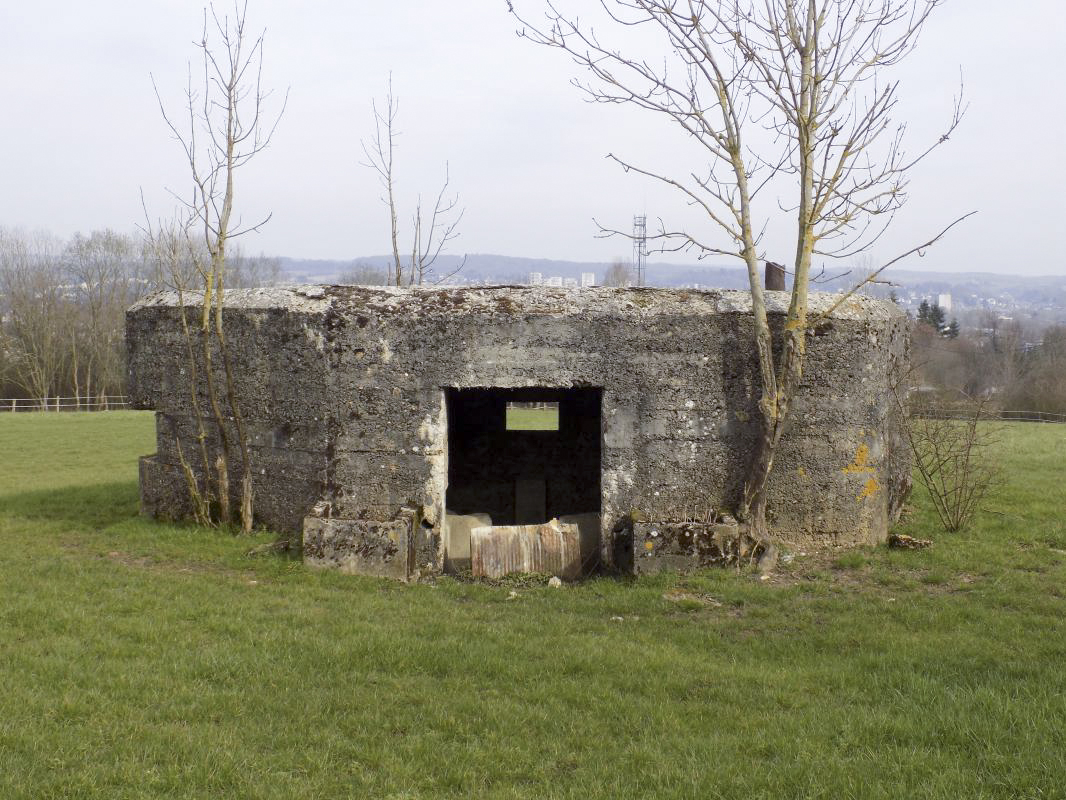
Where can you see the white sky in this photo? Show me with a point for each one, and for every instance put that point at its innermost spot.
(83, 135)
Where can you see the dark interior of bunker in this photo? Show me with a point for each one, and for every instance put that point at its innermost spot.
(523, 477)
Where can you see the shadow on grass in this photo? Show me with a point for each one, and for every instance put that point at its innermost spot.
(104, 504)
(112, 510)
(97, 504)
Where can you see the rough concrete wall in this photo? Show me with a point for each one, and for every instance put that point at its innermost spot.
(281, 367)
(344, 389)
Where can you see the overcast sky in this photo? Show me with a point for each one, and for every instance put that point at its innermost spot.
(83, 136)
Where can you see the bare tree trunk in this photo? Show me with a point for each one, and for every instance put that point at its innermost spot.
(775, 407)
(74, 369)
(201, 499)
(222, 460)
(428, 236)
(246, 510)
(397, 267)
(231, 111)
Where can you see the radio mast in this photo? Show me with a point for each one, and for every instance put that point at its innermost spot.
(640, 246)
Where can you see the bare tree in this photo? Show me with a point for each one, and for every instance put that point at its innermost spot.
(62, 316)
(620, 273)
(363, 274)
(952, 447)
(431, 230)
(35, 304)
(173, 255)
(784, 96)
(226, 125)
(245, 271)
(1041, 384)
(104, 282)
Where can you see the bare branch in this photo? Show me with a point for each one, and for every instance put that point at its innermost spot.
(870, 278)
(226, 128)
(429, 234)
(813, 77)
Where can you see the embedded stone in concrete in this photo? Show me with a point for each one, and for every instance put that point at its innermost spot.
(682, 546)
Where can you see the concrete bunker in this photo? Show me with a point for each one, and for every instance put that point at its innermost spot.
(373, 412)
(522, 457)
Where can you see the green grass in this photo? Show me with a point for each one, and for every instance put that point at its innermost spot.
(148, 660)
(533, 419)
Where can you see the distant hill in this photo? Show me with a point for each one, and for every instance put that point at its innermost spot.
(968, 289)
(487, 268)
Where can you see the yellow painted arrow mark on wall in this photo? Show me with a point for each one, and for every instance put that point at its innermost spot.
(861, 465)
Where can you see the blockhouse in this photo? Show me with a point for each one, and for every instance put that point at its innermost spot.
(381, 421)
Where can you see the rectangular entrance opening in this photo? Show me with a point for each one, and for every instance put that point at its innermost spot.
(522, 457)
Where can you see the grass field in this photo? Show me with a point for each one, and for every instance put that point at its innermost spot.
(146, 660)
(532, 419)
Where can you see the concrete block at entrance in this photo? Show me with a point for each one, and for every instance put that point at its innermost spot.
(457, 538)
(588, 526)
(360, 547)
(553, 548)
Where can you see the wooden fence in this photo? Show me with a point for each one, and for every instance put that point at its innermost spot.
(1005, 416)
(107, 402)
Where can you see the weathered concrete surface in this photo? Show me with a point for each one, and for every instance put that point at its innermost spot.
(588, 526)
(347, 392)
(384, 549)
(682, 546)
(553, 548)
(457, 538)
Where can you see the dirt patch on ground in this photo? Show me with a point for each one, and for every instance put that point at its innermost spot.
(170, 566)
(691, 601)
(179, 567)
(147, 562)
(851, 570)
(683, 596)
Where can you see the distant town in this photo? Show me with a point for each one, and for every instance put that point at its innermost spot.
(540, 279)
(968, 296)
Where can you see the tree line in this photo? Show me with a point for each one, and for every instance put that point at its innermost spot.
(934, 316)
(1012, 365)
(63, 306)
